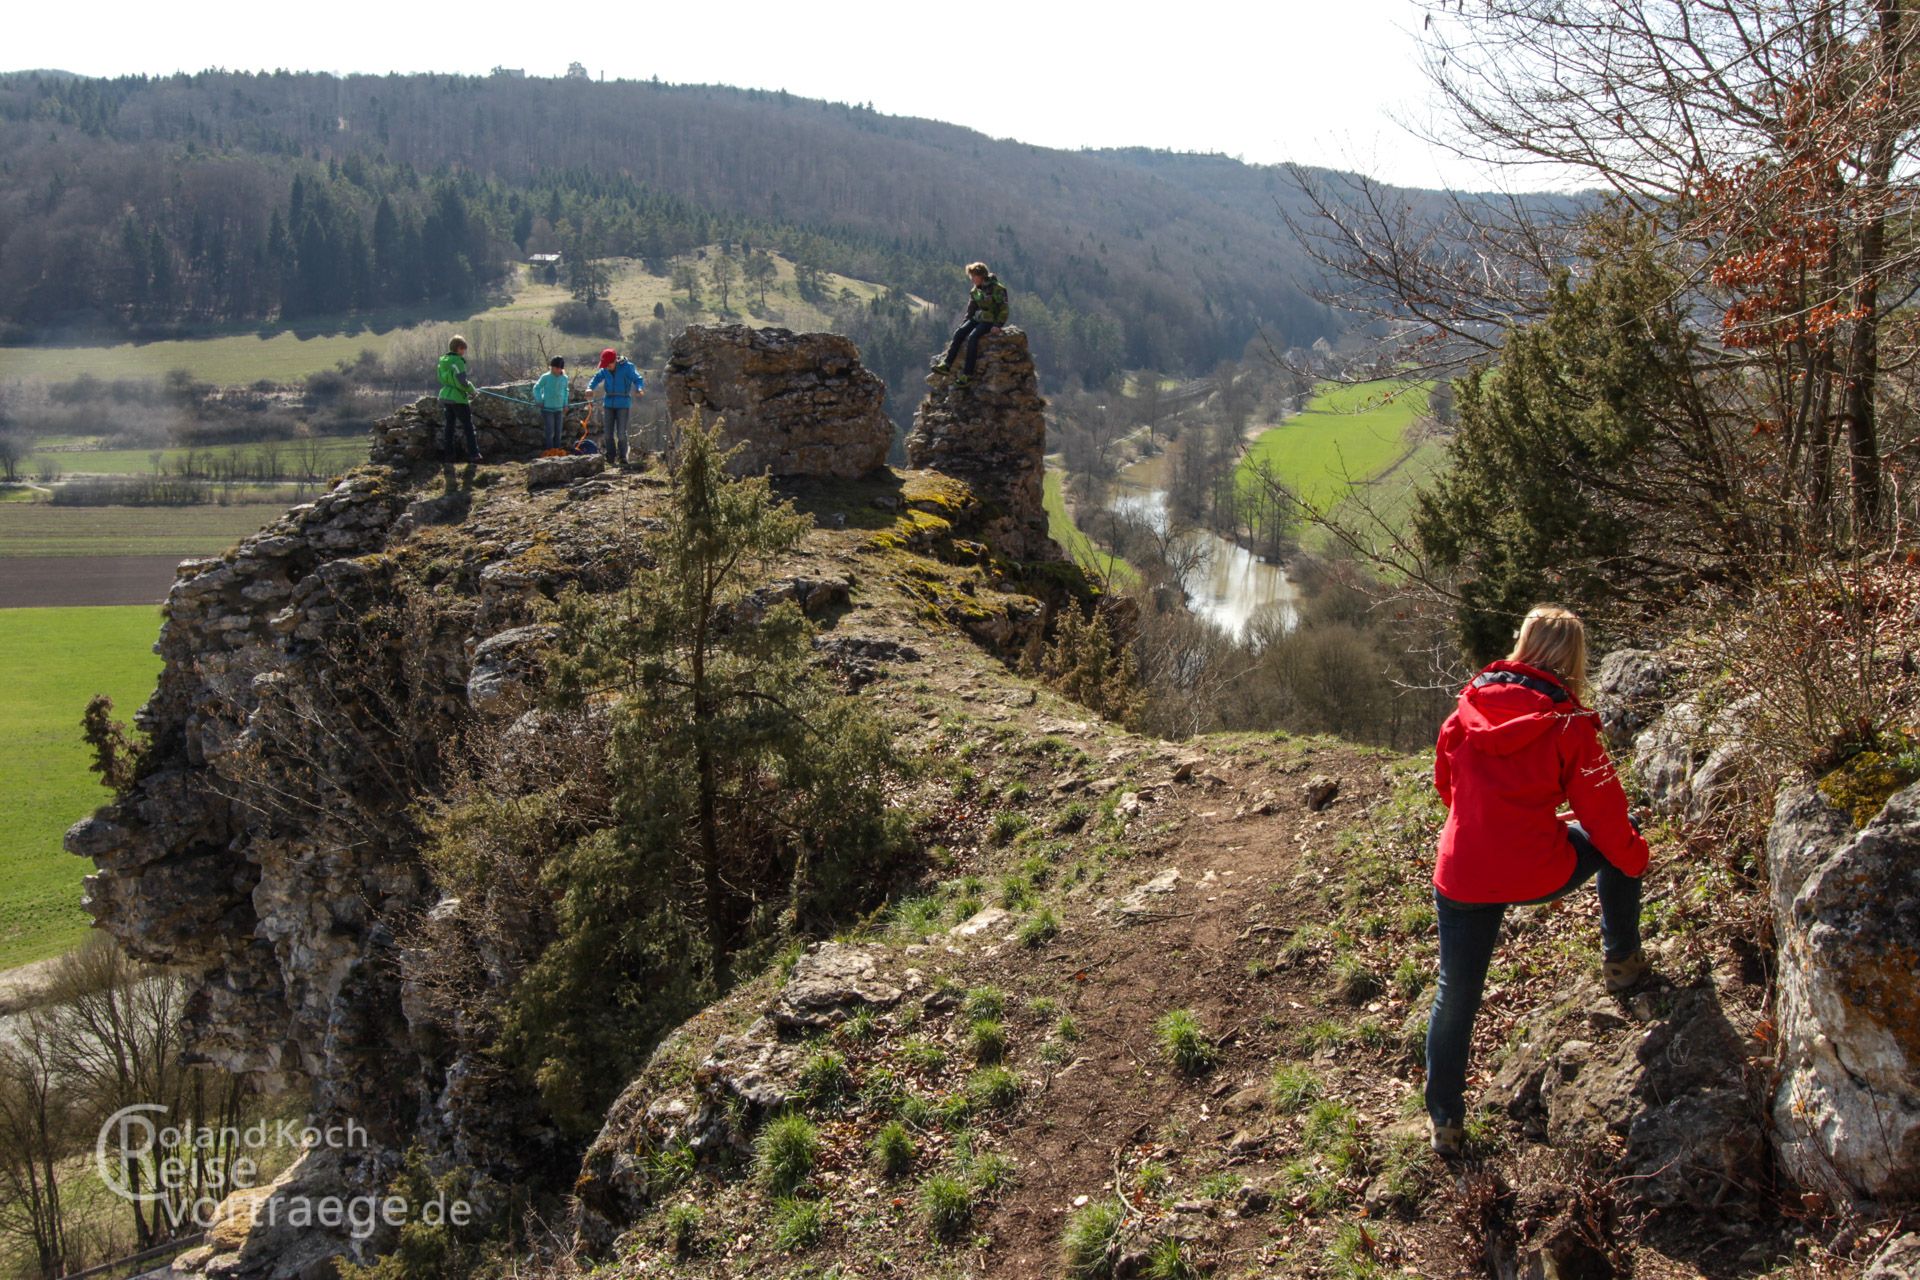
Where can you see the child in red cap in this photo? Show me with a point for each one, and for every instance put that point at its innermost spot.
(614, 386)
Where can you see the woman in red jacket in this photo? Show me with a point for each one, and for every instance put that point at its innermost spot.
(1518, 749)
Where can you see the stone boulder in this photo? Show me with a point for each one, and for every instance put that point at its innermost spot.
(507, 666)
(1668, 1091)
(796, 404)
(1899, 1260)
(1693, 763)
(1847, 914)
(992, 435)
(828, 984)
(505, 431)
(545, 473)
(1629, 692)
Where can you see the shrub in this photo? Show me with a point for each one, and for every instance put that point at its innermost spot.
(922, 1053)
(994, 1088)
(799, 1224)
(947, 1205)
(785, 1151)
(862, 1027)
(955, 1111)
(824, 1077)
(683, 1222)
(882, 1091)
(669, 1168)
(1409, 978)
(989, 1171)
(1167, 1260)
(1092, 1240)
(1006, 826)
(1293, 1086)
(1333, 1130)
(1187, 1047)
(892, 1149)
(985, 1002)
(1152, 1177)
(1072, 818)
(586, 319)
(1353, 982)
(988, 1040)
(1039, 928)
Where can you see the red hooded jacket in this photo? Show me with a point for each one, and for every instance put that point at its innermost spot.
(1508, 758)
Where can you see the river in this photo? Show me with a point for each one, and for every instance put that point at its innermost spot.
(1228, 585)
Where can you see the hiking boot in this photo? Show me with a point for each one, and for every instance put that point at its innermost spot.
(941, 368)
(962, 380)
(1625, 973)
(1447, 1139)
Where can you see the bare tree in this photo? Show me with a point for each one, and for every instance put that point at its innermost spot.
(1770, 143)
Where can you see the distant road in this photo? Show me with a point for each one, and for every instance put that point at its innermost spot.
(42, 581)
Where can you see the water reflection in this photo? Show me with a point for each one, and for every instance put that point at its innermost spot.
(1226, 584)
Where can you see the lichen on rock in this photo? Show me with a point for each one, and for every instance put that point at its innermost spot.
(991, 434)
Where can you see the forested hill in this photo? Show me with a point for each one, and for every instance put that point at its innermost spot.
(149, 205)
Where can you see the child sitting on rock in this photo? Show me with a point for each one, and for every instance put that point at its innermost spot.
(986, 312)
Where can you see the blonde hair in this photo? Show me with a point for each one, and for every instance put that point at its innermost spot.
(455, 343)
(978, 269)
(1553, 639)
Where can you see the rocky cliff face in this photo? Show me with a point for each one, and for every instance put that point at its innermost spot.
(1845, 906)
(992, 433)
(794, 404)
(315, 677)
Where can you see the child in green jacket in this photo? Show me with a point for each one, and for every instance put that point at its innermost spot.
(986, 312)
(456, 400)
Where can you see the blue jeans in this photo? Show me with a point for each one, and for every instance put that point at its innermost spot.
(615, 417)
(551, 427)
(969, 333)
(1468, 932)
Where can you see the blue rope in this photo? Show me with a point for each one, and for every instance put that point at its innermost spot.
(571, 404)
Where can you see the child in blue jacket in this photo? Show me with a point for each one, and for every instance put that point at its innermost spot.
(551, 393)
(616, 383)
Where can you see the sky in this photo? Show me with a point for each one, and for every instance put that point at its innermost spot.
(1264, 80)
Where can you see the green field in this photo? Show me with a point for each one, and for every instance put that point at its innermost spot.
(330, 454)
(56, 660)
(287, 356)
(1345, 436)
(42, 529)
(235, 360)
(1078, 546)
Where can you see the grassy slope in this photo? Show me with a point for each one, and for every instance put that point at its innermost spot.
(335, 453)
(42, 529)
(56, 660)
(1346, 434)
(1078, 546)
(286, 356)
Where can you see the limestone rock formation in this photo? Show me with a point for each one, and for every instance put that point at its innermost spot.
(797, 404)
(1674, 1091)
(992, 434)
(1847, 913)
(502, 428)
(745, 1077)
(1629, 691)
